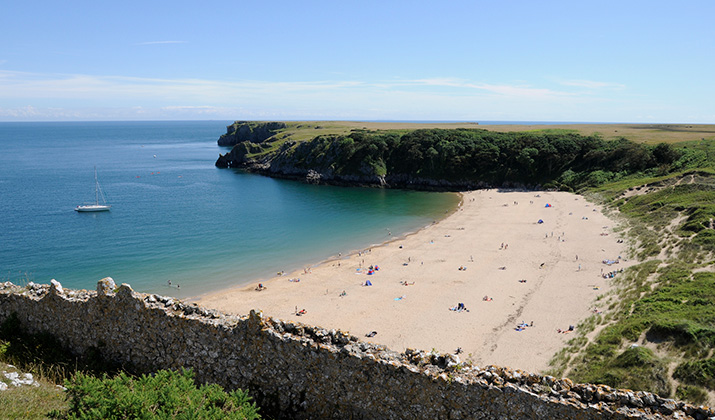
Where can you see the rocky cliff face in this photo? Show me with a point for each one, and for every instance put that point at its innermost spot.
(280, 165)
(250, 131)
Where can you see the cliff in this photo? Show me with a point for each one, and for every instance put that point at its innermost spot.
(455, 159)
(300, 371)
(249, 131)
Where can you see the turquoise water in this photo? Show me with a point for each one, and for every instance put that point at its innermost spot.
(174, 215)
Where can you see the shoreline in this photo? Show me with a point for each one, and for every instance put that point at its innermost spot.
(330, 259)
(455, 260)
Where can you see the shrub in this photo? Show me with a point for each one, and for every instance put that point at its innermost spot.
(635, 356)
(692, 394)
(164, 395)
(698, 372)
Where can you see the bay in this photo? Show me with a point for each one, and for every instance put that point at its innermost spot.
(174, 215)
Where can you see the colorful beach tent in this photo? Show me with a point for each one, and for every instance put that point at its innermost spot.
(368, 283)
(547, 205)
(540, 221)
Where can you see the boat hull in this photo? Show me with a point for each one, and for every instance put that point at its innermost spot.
(92, 208)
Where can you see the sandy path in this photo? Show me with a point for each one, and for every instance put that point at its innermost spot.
(555, 295)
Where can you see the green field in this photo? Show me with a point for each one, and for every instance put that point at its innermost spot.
(641, 133)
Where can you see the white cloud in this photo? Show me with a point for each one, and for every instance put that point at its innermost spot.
(90, 97)
(23, 112)
(520, 90)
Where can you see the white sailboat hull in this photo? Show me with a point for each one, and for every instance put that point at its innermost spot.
(93, 207)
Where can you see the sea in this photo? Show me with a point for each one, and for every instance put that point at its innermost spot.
(175, 217)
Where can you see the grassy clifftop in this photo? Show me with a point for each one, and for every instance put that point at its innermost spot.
(640, 133)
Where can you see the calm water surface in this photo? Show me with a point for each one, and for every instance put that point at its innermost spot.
(174, 215)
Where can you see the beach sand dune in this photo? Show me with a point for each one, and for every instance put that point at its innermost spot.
(547, 273)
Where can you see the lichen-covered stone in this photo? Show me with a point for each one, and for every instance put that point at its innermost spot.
(106, 286)
(56, 287)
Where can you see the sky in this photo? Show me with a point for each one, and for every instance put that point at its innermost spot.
(571, 61)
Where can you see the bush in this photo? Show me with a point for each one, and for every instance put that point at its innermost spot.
(692, 394)
(635, 356)
(165, 395)
(698, 372)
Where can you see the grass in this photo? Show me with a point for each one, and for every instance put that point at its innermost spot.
(28, 402)
(43, 357)
(641, 133)
(693, 394)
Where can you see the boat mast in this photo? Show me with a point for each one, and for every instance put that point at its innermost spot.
(96, 187)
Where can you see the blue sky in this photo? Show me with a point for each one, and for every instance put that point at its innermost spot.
(604, 61)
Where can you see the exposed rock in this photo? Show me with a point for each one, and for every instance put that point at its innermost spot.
(249, 131)
(106, 286)
(17, 379)
(56, 287)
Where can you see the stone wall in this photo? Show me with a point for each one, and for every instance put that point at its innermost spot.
(299, 371)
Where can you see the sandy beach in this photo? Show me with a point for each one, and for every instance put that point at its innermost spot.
(493, 246)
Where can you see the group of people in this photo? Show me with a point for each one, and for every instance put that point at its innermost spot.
(459, 308)
(560, 331)
(523, 326)
(611, 274)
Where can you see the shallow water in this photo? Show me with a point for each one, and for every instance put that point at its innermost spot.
(174, 215)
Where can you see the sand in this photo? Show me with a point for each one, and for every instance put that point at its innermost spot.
(560, 259)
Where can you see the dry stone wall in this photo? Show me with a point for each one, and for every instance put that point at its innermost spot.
(300, 371)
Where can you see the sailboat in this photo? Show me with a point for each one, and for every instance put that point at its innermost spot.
(97, 193)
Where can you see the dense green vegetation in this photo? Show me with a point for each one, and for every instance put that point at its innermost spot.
(559, 158)
(164, 395)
